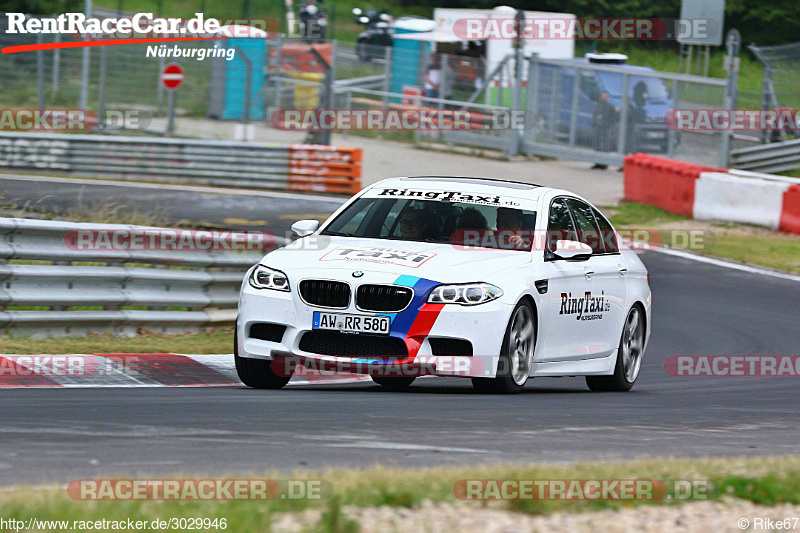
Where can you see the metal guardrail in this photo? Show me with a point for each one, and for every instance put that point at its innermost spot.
(773, 157)
(125, 289)
(237, 164)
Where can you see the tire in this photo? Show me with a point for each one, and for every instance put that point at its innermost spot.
(629, 356)
(516, 356)
(256, 373)
(394, 383)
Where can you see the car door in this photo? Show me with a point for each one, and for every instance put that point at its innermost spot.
(565, 336)
(605, 303)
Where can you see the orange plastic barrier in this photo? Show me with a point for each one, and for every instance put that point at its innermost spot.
(662, 182)
(324, 168)
(790, 214)
(299, 58)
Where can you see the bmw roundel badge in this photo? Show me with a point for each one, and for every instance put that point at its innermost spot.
(357, 274)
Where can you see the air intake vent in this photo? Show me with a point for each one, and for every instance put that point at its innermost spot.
(383, 298)
(349, 345)
(267, 332)
(325, 293)
(450, 347)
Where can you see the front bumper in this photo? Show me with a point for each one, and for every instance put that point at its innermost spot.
(482, 325)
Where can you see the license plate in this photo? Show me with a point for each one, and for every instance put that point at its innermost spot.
(351, 323)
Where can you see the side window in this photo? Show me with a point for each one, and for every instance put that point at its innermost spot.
(607, 233)
(588, 232)
(350, 221)
(559, 226)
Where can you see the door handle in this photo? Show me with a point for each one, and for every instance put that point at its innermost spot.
(588, 272)
(623, 271)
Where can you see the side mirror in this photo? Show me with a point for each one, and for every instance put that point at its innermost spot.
(573, 250)
(303, 228)
(356, 11)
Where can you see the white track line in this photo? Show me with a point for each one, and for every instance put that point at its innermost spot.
(726, 264)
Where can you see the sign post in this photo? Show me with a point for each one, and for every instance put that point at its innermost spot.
(171, 78)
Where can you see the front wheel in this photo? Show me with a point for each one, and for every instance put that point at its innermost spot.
(516, 356)
(256, 373)
(629, 357)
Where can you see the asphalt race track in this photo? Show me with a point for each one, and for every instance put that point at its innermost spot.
(204, 206)
(699, 309)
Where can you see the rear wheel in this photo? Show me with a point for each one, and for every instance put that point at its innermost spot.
(394, 383)
(256, 373)
(629, 357)
(516, 356)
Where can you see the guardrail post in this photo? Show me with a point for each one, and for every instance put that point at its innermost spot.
(732, 41)
(101, 97)
(623, 117)
(40, 72)
(387, 75)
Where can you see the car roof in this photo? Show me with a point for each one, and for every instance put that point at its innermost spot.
(625, 66)
(489, 182)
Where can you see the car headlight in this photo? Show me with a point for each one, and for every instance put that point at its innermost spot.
(268, 278)
(466, 294)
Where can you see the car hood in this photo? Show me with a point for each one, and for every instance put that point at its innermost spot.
(324, 255)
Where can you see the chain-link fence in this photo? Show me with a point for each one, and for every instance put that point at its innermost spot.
(572, 108)
(599, 112)
(128, 76)
(781, 79)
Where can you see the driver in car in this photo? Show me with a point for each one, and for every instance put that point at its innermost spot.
(413, 225)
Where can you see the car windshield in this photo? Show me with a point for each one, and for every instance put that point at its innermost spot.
(461, 223)
(612, 82)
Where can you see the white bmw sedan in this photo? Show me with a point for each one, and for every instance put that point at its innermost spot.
(491, 280)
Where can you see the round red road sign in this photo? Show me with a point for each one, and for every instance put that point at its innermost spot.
(172, 76)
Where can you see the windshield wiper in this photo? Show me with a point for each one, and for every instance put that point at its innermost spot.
(338, 234)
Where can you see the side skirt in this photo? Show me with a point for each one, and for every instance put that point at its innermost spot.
(602, 366)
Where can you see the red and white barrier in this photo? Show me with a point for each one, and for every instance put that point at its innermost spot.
(707, 193)
(139, 370)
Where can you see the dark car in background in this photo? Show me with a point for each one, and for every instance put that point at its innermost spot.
(649, 101)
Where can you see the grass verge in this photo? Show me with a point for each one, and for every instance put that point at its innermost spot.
(737, 242)
(220, 341)
(763, 480)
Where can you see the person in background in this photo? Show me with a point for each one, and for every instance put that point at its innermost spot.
(637, 115)
(432, 80)
(604, 120)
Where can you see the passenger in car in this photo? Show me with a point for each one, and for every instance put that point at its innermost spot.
(510, 222)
